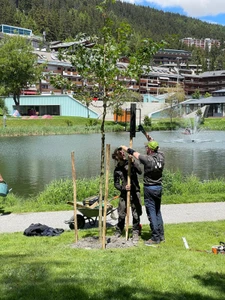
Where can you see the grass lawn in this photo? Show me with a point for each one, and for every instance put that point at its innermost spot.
(56, 125)
(39, 268)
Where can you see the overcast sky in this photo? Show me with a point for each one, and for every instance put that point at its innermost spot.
(212, 11)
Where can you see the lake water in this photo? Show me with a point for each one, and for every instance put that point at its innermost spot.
(29, 163)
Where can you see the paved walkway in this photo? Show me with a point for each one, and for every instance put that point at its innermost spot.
(172, 214)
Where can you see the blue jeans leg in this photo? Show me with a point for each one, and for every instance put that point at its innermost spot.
(152, 195)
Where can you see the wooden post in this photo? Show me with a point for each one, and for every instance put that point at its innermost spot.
(132, 134)
(74, 196)
(106, 193)
(128, 194)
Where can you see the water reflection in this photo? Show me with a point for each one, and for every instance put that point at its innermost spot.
(29, 163)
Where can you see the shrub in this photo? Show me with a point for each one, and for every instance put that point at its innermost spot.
(58, 191)
(61, 191)
(147, 121)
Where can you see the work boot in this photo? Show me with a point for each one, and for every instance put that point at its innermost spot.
(162, 239)
(151, 242)
(117, 234)
(135, 236)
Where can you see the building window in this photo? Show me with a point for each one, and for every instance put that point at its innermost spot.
(15, 30)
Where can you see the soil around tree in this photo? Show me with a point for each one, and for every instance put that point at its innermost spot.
(110, 243)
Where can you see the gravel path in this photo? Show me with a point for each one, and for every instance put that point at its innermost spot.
(173, 213)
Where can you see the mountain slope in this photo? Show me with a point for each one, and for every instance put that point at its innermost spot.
(63, 19)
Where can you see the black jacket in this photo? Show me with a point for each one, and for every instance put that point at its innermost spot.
(120, 177)
(42, 230)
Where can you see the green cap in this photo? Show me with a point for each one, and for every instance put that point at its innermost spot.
(153, 145)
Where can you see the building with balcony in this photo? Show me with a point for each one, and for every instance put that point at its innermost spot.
(206, 82)
(152, 83)
(184, 68)
(158, 80)
(54, 66)
(201, 43)
(171, 56)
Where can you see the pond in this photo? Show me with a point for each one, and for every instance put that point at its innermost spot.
(29, 163)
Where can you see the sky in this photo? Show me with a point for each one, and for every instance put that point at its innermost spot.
(211, 11)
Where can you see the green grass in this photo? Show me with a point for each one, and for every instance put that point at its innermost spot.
(214, 124)
(34, 268)
(56, 125)
(71, 125)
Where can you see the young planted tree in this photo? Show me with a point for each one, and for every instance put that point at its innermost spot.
(99, 66)
(18, 66)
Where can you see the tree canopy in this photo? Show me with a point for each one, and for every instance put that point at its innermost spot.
(18, 66)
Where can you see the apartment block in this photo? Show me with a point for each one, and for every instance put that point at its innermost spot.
(201, 43)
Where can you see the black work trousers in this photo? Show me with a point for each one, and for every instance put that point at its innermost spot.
(136, 209)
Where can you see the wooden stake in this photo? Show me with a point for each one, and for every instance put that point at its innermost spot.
(74, 196)
(106, 193)
(128, 194)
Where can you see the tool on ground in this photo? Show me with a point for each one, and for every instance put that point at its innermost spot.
(219, 249)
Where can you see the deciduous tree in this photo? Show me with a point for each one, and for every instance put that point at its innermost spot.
(18, 66)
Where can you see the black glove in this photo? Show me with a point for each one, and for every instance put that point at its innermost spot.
(141, 128)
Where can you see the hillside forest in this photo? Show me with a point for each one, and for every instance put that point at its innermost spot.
(64, 19)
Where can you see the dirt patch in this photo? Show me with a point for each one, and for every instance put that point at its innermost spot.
(110, 243)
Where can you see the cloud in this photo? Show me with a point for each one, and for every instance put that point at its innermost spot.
(191, 8)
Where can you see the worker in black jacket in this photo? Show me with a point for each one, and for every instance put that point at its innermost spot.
(120, 183)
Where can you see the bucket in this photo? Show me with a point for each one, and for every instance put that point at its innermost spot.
(3, 189)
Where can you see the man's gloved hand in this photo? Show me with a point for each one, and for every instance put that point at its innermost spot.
(141, 128)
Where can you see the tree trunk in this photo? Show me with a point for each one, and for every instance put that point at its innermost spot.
(16, 98)
(102, 173)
